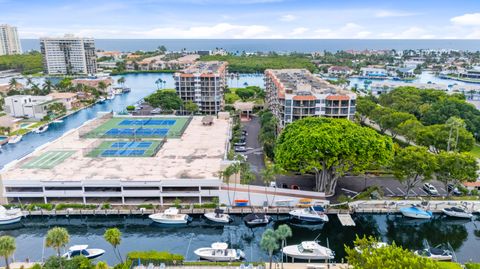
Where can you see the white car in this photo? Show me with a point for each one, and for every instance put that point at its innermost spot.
(430, 189)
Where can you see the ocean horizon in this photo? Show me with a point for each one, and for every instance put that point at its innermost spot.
(277, 45)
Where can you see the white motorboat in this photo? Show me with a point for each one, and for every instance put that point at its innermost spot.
(15, 139)
(41, 129)
(257, 219)
(310, 214)
(57, 121)
(416, 212)
(457, 212)
(110, 97)
(170, 216)
(9, 216)
(219, 252)
(438, 254)
(308, 250)
(83, 250)
(218, 216)
(373, 246)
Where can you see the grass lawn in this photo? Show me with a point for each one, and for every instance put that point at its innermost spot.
(476, 151)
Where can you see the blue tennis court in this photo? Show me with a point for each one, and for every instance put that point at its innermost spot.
(122, 153)
(147, 122)
(126, 149)
(131, 145)
(128, 132)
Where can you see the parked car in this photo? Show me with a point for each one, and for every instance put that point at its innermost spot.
(240, 143)
(244, 132)
(430, 189)
(451, 188)
(273, 184)
(240, 149)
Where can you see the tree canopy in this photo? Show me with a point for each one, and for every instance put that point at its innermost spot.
(455, 167)
(166, 99)
(330, 148)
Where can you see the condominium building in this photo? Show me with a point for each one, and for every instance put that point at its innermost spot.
(9, 42)
(293, 94)
(68, 55)
(204, 84)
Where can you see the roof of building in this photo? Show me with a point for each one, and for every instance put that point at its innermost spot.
(62, 95)
(204, 68)
(196, 155)
(302, 83)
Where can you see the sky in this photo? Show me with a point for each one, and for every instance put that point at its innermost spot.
(237, 19)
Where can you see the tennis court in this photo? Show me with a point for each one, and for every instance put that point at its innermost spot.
(126, 149)
(128, 127)
(48, 159)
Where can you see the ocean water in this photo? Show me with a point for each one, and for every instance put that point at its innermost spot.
(278, 45)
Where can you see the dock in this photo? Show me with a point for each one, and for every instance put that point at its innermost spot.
(346, 219)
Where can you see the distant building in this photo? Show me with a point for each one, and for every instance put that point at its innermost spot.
(339, 71)
(472, 73)
(68, 55)
(94, 82)
(204, 84)
(293, 94)
(378, 88)
(29, 106)
(406, 72)
(9, 42)
(68, 99)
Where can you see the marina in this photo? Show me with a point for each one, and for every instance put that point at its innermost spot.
(200, 232)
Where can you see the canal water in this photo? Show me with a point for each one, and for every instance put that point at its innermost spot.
(140, 84)
(140, 233)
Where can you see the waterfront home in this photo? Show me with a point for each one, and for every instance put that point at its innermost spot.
(373, 72)
(68, 99)
(28, 106)
(94, 82)
(339, 71)
(406, 72)
(5, 87)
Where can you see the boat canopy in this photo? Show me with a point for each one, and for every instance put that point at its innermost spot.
(78, 247)
(171, 211)
(309, 245)
(220, 245)
(219, 211)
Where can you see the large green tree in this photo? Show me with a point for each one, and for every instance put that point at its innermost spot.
(388, 257)
(455, 167)
(364, 107)
(440, 137)
(391, 121)
(191, 107)
(165, 99)
(330, 148)
(7, 248)
(412, 165)
(409, 129)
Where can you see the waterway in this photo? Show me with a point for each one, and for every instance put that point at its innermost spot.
(141, 85)
(140, 233)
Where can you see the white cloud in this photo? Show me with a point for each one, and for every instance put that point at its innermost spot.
(414, 32)
(288, 17)
(392, 13)
(469, 19)
(299, 30)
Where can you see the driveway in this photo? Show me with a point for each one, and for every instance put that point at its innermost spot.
(254, 150)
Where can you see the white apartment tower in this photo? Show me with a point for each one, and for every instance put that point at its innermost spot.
(68, 55)
(9, 42)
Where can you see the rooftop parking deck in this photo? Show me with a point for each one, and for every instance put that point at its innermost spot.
(197, 154)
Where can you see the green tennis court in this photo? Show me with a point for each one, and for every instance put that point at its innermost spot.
(48, 159)
(141, 127)
(144, 148)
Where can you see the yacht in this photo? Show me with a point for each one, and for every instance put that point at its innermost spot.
(41, 129)
(219, 252)
(416, 212)
(15, 139)
(77, 250)
(170, 216)
(310, 214)
(9, 216)
(457, 212)
(308, 250)
(218, 216)
(257, 219)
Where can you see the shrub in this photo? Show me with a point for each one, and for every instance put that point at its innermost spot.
(36, 266)
(106, 206)
(155, 257)
(39, 206)
(472, 266)
(130, 108)
(146, 206)
(74, 206)
(474, 192)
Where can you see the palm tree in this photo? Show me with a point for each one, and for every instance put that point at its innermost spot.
(57, 238)
(47, 86)
(158, 82)
(7, 248)
(226, 174)
(121, 81)
(12, 84)
(101, 265)
(114, 237)
(102, 86)
(269, 243)
(247, 177)
(269, 174)
(283, 232)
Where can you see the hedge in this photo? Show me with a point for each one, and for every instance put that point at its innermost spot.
(75, 206)
(155, 257)
(207, 263)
